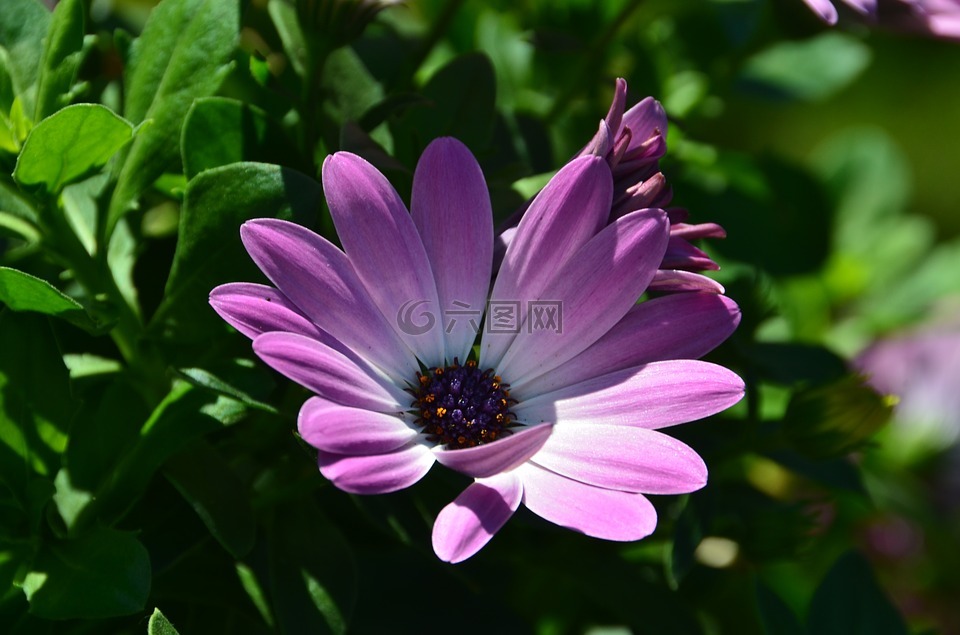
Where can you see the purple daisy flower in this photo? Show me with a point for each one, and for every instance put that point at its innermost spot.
(564, 419)
(939, 18)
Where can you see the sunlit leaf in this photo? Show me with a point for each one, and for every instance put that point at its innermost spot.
(62, 54)
(24, 25)
(69, 144)
(22, 292)
(160, 625)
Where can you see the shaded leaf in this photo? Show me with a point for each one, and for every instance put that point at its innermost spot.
(219, 131)
(103, 573)
(69, 144)
(834, 419)
(182, 54)
(850, 602)
(209, 484)
(35, 401)
(312, 572)
(460, 104)
(209, 251)
(775, 616)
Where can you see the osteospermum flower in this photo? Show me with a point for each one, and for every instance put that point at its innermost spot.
(939, 18)
(561, 407)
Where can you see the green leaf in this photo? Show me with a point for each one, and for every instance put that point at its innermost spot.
(184, 414)
(834, 419)
(35, 401)
(182, 55)
(22, 292)
(284, 16)
(312, 572)
(209, 251)
(461, 103)
(220, 131)
(63, 52)
(69, 144)
(24, 25)
(12, 201)
(850, 602)
(103, 573)
(687, 534)
(238, 380)
(220, 499)
(775, 616)
(105, 428)
(160, 625)
(351, 89)
(812, 70)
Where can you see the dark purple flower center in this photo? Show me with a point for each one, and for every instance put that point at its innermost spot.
(462, 406)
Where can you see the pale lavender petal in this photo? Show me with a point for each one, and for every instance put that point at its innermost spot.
(646, 119)
(623, 458)
(450, 206)
(319, 279)
(595, 288)
(468, 523)
(340, 429)
(499, 456)
(327, 372)
(385, 250)
(675, 280)
(654, 395)
(569, 211)
(678, 326)
(824, 9)
(378, 473)
(255, 309)
(597, 512)
(696, 232)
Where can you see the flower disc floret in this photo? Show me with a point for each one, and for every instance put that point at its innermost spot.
(460, 406)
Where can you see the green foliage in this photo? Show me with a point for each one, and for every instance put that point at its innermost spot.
(69, 144)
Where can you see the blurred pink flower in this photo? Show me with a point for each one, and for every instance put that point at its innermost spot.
(940, 18)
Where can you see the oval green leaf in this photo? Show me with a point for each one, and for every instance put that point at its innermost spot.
(69, 144)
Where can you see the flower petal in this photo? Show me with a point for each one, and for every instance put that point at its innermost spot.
(255, 309)
(340, 429)
(678, 326)
(572, 207)
(623, 458)
(594, 289)
(319, 279)
(674, 280)
(382, 243)
(499, 456)
(450, 206)
(327, 372)
(468, 523)
(596, 512)
(651, 396)
(824, 9)
(378, 473)
(646, 119)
